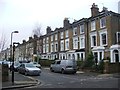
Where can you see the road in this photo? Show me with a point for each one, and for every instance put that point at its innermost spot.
(79, 80)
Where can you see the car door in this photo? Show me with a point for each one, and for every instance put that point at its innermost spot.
(21, 68)
(57, 66)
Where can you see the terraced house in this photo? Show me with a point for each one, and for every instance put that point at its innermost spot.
(99, 33)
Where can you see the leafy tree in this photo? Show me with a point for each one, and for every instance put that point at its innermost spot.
(89, 62)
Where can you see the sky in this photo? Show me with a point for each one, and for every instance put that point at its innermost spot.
(25, 15)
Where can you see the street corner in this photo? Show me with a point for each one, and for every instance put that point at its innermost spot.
(33, 80)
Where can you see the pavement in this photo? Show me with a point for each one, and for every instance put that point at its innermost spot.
(20, 81)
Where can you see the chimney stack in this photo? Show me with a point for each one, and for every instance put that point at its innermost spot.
(66, 23)
(48, 30)
(105, 9)
(94, 10)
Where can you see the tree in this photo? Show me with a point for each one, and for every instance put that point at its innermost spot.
(37, 30)
(3, 42)
(89, 62)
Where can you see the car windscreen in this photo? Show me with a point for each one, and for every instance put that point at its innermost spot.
(29, 65)
(16, 64)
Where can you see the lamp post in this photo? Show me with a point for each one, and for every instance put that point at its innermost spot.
(11, 45)
(13, 62)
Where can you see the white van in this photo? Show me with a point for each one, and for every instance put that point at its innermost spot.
(64, 66)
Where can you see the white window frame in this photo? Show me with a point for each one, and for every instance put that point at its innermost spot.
(75, 42)
(47, 47)
(67, 44)
(82, 43)
(43, 40)
(118, 33)
(93, 25)
(101, 33)
(103, 23)
(62, 45)
(56, 48)
(56, 38)
(91, 35)
(47, 39)
(75, 31)
(52, 47)
(66, 33)
(82, 29)
(61, 35)
(51, 37)
(43, 48)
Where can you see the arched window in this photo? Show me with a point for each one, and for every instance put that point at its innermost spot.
(73, 56)
(68, 56)
(116, 55)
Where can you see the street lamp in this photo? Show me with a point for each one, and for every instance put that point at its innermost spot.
(11, 45)
(13, 61)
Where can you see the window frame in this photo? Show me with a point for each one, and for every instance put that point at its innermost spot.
(67, 44)
(56, 38)
(75, 31)
(62, 35)
(82, 45)
(101, 39)
(67, 33)
(62, 46)
(82, 29)
(103, 22)
(91, 40)
(93, 25)
(52, 37)
(75, 43)
(118, 36)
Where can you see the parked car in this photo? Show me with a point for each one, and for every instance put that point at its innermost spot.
(64, 66)
(29, 69)
(36, 64)
(16, 66)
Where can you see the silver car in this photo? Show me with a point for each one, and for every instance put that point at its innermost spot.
(64, 66)
(29, 69)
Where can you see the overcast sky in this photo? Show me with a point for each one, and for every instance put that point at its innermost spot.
(24, 15)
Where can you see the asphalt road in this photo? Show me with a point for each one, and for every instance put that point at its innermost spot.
(79, 80)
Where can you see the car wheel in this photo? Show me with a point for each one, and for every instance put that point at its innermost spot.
(18, 71)
(51, 70)
(26, 73)
(62, 71)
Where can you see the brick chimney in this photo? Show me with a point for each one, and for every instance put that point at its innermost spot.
(94, 10)
(24, 41)
(48, 30)
(66, 23)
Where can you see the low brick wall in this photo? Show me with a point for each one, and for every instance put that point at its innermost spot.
(114, 68)
(5, 72)
(111, 67)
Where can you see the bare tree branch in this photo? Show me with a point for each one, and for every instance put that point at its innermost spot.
(3, 42)
(37, 30)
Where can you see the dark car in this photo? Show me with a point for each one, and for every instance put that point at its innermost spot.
(29, 69)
